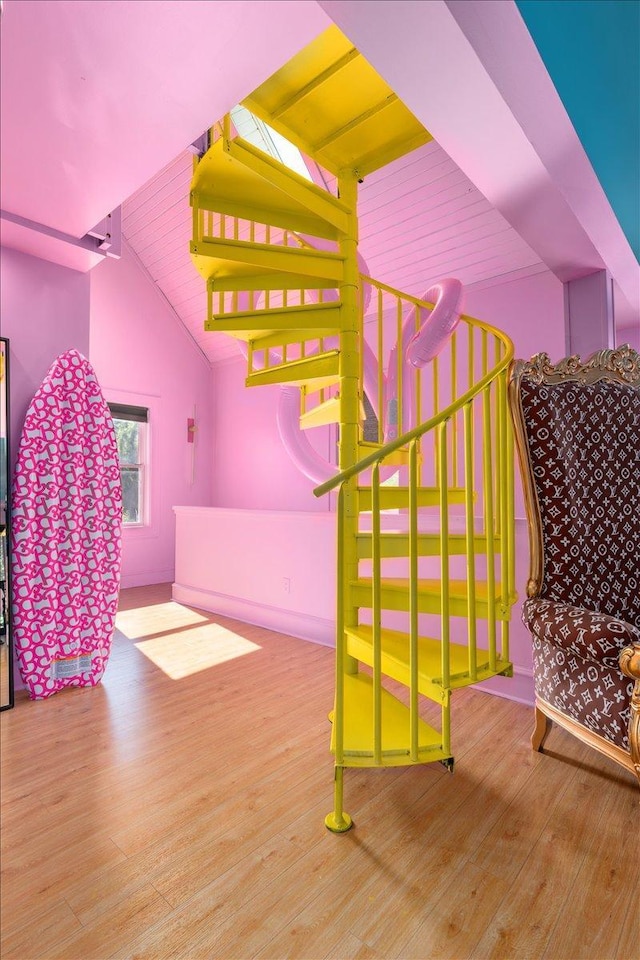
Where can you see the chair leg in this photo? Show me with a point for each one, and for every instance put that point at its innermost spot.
(540, 730)
(634, 729)
(630, 666)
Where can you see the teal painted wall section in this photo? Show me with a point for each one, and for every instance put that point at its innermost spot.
(591, 49)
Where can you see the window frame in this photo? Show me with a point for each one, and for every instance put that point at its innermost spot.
(136, 414)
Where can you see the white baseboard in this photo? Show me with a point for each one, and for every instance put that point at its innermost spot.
(291, 622)
(146, 579)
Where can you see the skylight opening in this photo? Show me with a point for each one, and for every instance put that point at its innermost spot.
(261, 135)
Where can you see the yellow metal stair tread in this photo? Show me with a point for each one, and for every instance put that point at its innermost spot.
(239, 180)
(329, 210)
(321, 414)
(260, 280)
(283, 338)
(321, 370)
(266, 339)
(358, 729)
(397, 458)
(396, 544)
(289, 324)
(395, 595)
(331, 103)
(214, 255)
(396, 497)
(395, 659)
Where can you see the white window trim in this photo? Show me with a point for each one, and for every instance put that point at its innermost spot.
(149, 527)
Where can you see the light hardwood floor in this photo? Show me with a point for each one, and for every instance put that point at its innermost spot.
(170, 813)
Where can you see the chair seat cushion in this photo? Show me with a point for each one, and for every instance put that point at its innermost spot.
(594, 695)
(590, 635)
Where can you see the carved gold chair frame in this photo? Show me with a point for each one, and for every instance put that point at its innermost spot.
(621, 365)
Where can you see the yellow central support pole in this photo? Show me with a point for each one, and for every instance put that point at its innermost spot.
(338, 821)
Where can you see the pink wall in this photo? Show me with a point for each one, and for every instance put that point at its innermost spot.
(251, 468)
(630, 335)
(44, 311)
(143, 355)
(530, 310)
(266, 574)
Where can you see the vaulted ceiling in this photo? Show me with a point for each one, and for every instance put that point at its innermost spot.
(100, 102)
(421, 219)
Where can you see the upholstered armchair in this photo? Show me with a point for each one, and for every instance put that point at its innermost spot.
(578, 436)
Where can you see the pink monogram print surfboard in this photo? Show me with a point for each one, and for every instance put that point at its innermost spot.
(66, 532)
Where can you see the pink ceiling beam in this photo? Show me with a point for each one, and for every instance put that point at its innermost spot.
(471, 73)
(47, 244)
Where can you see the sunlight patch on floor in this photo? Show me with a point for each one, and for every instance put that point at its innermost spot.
(194, 650)
(146, 621)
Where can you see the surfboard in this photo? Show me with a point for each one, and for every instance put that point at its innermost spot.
(66, 532)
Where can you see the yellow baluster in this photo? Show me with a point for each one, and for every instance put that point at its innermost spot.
(470, 539)
(382, 413)
(487, 483)
(444, 556)
(414, 714)
(377, 617)
(338, 821)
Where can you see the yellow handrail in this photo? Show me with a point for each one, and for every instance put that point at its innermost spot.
(393, 445)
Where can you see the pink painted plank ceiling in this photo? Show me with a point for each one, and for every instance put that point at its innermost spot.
(421, 219)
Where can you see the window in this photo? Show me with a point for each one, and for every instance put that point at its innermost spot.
(264, 137)
(131, 426)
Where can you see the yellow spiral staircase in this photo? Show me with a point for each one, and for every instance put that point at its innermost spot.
(425, 578)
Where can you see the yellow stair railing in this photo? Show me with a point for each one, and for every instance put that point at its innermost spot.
(425, 506)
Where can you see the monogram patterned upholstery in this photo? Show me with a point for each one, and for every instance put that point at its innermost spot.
(575, 655)
(592, 636)
(584, 443)
(578, 431)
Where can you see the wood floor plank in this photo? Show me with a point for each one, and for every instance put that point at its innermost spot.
(110, 930)
(537, 900)
(441, 831)
(505, 849)
(348, 947)
(627, 948)
(95, 896)
(414, 872)
(230, 894)
(186, 821)
(277, 906)
(44, 876)
(609, 869)
(246, 830)
(459, 917)
(38, 927)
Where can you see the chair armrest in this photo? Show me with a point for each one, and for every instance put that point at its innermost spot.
(630, 661)
(590, 635)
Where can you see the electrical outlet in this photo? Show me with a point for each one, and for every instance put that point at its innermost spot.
(286, 584)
